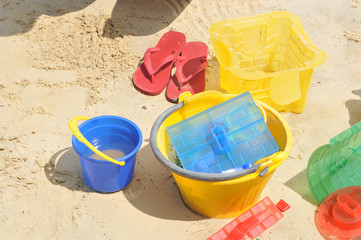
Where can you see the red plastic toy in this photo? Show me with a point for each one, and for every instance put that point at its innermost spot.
(252, 222)
(339, 215)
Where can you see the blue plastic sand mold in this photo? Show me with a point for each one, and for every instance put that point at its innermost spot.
(227, 136)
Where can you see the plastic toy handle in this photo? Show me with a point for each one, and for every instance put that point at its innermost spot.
(182, 96)
(274, 158)
(266, 163)
(285, 87)
(282, 205)
(263, 112)
(264, 167)
(73, 125)
(356, 192)
(278, 156)
(346, 133)
(356, 151)
(224, 52)
(221, 138)
(242, 228)
(348, 205)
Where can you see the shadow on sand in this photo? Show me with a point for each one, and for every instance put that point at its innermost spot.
(354, 108)
(20, 16)
(64, 169)
(142, 18)
(299, 184)
(153, 189)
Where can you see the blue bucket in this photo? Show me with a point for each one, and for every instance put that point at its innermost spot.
(108, 133)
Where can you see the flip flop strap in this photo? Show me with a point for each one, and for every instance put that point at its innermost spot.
(180, 75)
(148, 63)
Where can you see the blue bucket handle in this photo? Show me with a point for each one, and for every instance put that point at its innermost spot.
(73, 125)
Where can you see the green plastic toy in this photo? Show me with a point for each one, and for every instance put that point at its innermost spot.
(336, 165)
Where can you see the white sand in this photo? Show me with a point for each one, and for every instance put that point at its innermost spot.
(60, 59)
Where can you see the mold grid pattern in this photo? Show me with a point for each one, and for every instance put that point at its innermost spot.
(249, 138)
(280, 46)
(341, 167)
(251, 223)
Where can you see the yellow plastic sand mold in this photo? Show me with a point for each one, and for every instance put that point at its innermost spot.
(220, 195)
(269, 55)
(73, 125)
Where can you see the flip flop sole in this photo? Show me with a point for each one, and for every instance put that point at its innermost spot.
(194, 51)
(170, 43)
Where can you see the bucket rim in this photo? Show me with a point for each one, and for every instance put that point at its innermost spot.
(209, 177)
(133, 152)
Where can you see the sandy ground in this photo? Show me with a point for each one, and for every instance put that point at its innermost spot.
(60, 59)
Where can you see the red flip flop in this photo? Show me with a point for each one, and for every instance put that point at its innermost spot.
(190, 71)
(153, 75)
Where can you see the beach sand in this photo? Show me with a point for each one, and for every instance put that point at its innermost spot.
(60, 59)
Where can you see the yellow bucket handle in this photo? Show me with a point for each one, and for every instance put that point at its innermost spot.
(268, 162)
(73, 125)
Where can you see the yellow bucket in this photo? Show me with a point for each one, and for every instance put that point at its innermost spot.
(219, 195)
(269, 55)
